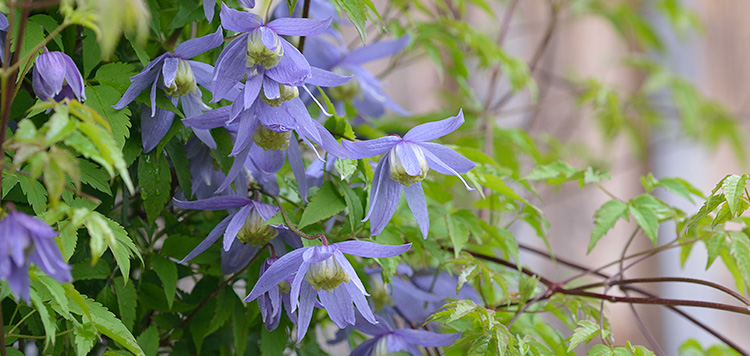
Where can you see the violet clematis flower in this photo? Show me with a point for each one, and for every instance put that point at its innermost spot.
(3, 33)
(324, 272)
(364, 92)
(262, 55)
(209, 5)
(56, 77)
(405, 164)
(270, 303)
(179, 78)
(24, 240)
(242, 227)
(319, 9)
(387, 339)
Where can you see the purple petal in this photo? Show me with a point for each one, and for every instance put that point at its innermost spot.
(74, 78)
(196, 46)
(271, 88)
(139, 84)
(375, 51)
(230, 68)
(371, 249)
(385, 195)
(169, 70)
(408, 159)
(266, 211)
(153, 128)
(208, 9)
(339, 306)
(215, 203)
(324, 78)
(239, 21)
(153, 94)
(248, 123)
(415, 198)
(369, 148)
(235, 225)
(212, 237)
(328, 143)
(349, 270)
(267, 161)
(440, 166)
(292, 69)
(279, 270)
(235, 170)
(238, 256)
(427, 338)
(212, 119)
(433, 130)
(252, 89)
(203, 73)
(299, 27)
(306, 305)
(360, 302)
(365, 348)
(247, 3)
(447, 157)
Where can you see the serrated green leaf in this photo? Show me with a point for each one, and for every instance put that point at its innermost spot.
(354, 204)
(149, 340)
(48, 320)
(85, 338)
(155, 180)
(57, 292)
(101, 98)
(605, 218)
(116, 75)
(357, 11)
(345, 167)
(83, 271)
(124, 248)
(458, 234)
(325, 203)
(585, 331)
(177, 154)
(108, 324)
(127, 301)
(644, 210)
(35, 193)
(739, 248)
(94, 176)
(167, 272)
(733, 187)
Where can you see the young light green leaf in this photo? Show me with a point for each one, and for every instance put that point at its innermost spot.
(354, 203)
(585, 331)
(733, 188)
(34, 192)
(325, 203)
(85, 338)
(458, 234)
(645, 209)
(108, 324)
(739, 248)
(605, 218)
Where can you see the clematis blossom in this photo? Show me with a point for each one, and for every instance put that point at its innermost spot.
(3, 33)
(56, 77)
(323, 273)
(270, 303)
(179, 78)
(209, 5)
(404, 165)
(387, 339)
(25, 240)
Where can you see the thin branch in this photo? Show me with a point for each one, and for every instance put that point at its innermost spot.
(305, 14)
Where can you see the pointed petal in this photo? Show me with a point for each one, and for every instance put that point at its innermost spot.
(433, 130)
(153, 128)
(74, 78)
(209, 120)
(239, 21)
(442, 167)
(384, 202)
(375, 51)
(292, 69)
(427, 338)
(371, 249)
(215, 203)
(267, 161)
(447, 158)
(361, 302)
(169, 70)
(369, 148)
(212, 237)
(271, 88)
(347, 267)
(248, 123)
(299, 27)
(415, 198)
(306, 305)
(339, 309)
(235, 170)
(230, 68)
(365, 348)
(139, 84)
(208, 9)
(238, 256)
(298, 168)
(247, 3)
(252, 89)
(328, 143)
(324, 78)
(279, 270)
(408, 159)
(196, 46)
(235, 225)
(203, 73)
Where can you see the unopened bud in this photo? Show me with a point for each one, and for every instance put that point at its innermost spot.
(258, 54)
(379, 293)
(254, 231)
(184, 81)
(287, 93)
(326, 274)
(398, 173)
(268, 139)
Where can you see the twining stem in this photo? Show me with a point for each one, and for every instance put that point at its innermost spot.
(291, 226)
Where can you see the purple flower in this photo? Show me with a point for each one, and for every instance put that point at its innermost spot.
(179, 78)
(3, 33)
(319, 9)
(56, 77)
(259, 52)
(209, 5)
(244, 230)
(387, 339)
(25, 239)
(405, 163)
(364, 92)
(270, 302)
(323, 272)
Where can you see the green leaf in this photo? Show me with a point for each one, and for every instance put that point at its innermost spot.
(107, 324)
(345, 167)
(124, 248)
(116, 75)
(645, 210)
(325, 203)
(101, 98)
(167, 272)
(733, 188)
(354, 204)
(605, 218)
(83, 271)
(48, 320)
(155, 180)
(85, 338)
(127, 301)
(739, 248)
(189, 11)
(458, 233)
(273, 342)
(50, 25)
(35, 193)
(56, 290)
(585, 331)
(91, 52)
(177, 154)
(357, 11)
(148, 340)
(94, 176)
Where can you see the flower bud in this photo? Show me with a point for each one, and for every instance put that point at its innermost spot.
(184, 81)
(268, 139)
(257, 52)
(398, 173)
(380, 295)
(326, 274)
(287, 93)
(254, 231)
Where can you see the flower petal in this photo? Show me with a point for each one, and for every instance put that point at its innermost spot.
(360, 302)
(298, 168)
(433, 130)
(215, 203)
(415, 198)
(299, 27)
(230, 68)
(292, 69)
(235, 225)
(365, 348)
(339, 309)
(212, 237)
(375, 51)
(271, 88)
(248, 124)
(306, 305)
(169, 70)
(384, 199)
(238, 256)
(408, 158)
(427, 338)
(196, 46)
(449, 158)
(369, 148)
(153, 128)
(371, 249)
(349, 270)
(239, 21)
(438, 165)
(267, 161)
(279, 270)
(139, 84)
(324, 78)
(208, 9)
(209, 120)
(203, 73)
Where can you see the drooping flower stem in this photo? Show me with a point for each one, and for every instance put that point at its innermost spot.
(292, 227)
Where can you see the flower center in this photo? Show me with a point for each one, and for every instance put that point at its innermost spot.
(398, 173)
(287, 93)
(254, 231)
(284, 287)
(381, 347)
(268, 139)
(184, 81)
(258, 54)
(326, 274)
(346, 92)
(380, 296)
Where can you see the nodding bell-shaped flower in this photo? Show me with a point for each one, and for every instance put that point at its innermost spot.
(184, 80)
(268, 139)
(259, 53)
(387, 339)
(323, 272)
(399, 173)
(254, 231)
(285, 93)
(56, 77)
(405, 164)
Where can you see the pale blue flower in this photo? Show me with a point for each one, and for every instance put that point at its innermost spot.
(56, 77)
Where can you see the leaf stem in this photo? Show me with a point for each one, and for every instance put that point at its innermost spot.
(291, 226)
